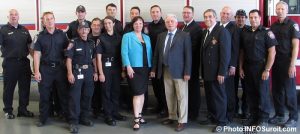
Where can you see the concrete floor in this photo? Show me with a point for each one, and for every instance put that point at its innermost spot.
(55, 126)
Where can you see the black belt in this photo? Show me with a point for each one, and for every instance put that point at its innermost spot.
(255, 62)
(51, 64)
(81, 66)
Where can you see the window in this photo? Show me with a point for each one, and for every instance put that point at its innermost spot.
(294, 6)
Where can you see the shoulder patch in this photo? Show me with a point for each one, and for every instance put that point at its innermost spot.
(296, 26)
(71, 45)
(271, 35)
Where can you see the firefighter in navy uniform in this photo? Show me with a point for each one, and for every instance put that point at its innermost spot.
(81, 75)
(49, 67)
(72, 28)
(256, 59)
(15, 41)
(110, 66)
(284, 71)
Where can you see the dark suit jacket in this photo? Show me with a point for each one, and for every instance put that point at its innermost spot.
(180, 55)
(195, 32)
(235, 43)
(216, 53)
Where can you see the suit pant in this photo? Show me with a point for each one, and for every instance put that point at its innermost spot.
(177, 97)
(216, 100)
(231, 99)
(284, 89)
(52, 78)
(15, 71)
(258, 93)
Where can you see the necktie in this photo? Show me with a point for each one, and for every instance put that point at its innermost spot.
(207, 33)
(185, 25)
(168, 46)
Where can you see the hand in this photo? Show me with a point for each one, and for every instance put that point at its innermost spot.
(242, 74)
(37, 76)
(152, 74)
(231, 71)
(95, 77)
(71, 78)
(101, 77)
(265, 75)
(220, 79)
(186, 77)
(292, 72)
(130, 72)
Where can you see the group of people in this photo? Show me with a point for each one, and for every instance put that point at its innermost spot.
(84, 66)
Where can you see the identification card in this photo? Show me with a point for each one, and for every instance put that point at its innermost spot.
(108, 64)
(80, 76)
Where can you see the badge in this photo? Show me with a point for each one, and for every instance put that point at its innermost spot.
(296, 26)
(80, 76)
(271, 35)
(79, 49)
(214, 41)
(70, 46)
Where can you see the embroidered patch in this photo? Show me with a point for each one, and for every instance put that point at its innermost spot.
(214, 41)
(296, 26)
(70, 46)
(271, 35)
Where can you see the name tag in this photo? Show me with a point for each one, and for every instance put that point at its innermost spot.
(108, 64)
(79, 49)
(80, 76)
(10, 33)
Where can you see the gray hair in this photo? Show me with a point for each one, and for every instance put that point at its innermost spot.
(172, 16)
(210, 10)
(283, 3)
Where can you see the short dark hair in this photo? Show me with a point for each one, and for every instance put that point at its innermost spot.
(190, 7)
(155, 6)
(110, 5)
(109, 18)
(255, 11)
(96, 19)
(137, 8)
(135, 19)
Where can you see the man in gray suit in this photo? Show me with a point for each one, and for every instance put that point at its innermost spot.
(173, 60)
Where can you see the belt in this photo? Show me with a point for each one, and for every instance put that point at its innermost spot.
(78, 66)
(52, 64)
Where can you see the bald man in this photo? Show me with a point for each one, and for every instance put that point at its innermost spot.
(15, 41)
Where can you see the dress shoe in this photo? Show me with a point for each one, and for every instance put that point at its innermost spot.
(109, 121)
(180, 127)
(9, 115)
(39, 123)
(250, 122)
(276, 120)
(290, 123)
(136, 124)
(120, 117)
(73, 128)
(86, 122)
(262, 123)
(167, 122)
(25, 113)
(162, 114)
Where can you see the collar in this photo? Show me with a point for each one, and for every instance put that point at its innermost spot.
(187, 24)
(224, 24)
(10, 26)
(285, 21)
(45, 31)
(212, 27)
(159, 22)
(172, 32)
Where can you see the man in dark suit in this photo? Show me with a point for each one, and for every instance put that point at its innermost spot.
(191, 27)
(226, 17)
(215, 56)
(173, 60)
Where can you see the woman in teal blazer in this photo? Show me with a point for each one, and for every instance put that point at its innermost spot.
(136, 57)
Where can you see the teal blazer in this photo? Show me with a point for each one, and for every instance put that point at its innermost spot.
(132, 50)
